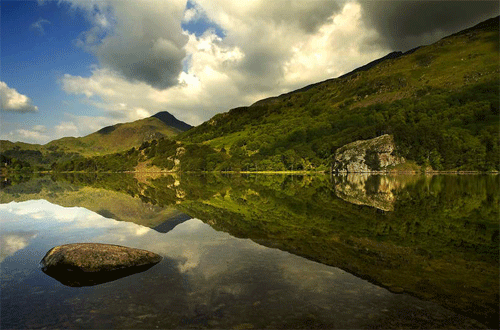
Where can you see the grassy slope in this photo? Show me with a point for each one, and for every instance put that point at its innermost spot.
(441, 103)
(115, 138)
(443, 81)
(108, 140)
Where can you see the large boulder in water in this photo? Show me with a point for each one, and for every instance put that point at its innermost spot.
(85, 264)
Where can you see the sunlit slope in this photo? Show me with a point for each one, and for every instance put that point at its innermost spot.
(439, 101)
(107, 140)
(115, 138)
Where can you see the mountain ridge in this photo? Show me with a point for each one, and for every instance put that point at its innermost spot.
(433, 99)
(171, 121)
(109, 139)
(440, 102)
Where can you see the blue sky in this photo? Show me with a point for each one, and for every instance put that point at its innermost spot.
(70, 67)
(33, 59)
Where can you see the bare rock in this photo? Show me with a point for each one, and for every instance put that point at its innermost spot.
(84, 264)
(364, 156)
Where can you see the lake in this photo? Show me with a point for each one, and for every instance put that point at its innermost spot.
(258, 251)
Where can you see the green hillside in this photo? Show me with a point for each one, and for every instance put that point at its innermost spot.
(108, 140)
(115, 138)
(439, 101)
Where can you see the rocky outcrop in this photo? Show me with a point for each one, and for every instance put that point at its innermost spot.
(363, 156)
(85, 264)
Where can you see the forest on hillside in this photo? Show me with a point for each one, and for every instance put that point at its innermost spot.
(440, 102)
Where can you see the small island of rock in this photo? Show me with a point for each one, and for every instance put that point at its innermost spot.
(85, 264)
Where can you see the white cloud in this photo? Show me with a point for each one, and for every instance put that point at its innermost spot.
(141, 40)
(36, 134)
(13, 242)
(31, 135)
(73, 126)
(313, 60)
(81, 125)
(268, 49)
(40, 128)
(191, 15)
(38, 25)
(67, 128)
(11, 100)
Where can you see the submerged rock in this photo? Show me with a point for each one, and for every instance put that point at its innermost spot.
(85, 264)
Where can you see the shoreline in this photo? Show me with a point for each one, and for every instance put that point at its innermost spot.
(411, 172)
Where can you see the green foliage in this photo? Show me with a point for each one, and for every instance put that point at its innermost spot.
(119, 162)
(14, 164)
(441, 104)
(439, 243)
(112, 139)
(372, 160)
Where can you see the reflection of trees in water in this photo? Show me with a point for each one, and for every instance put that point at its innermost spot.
(438, 240)
(437, 243)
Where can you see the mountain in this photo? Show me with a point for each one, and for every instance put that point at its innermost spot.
(110, 139)
(440, 103)
(171, 121)
(120, 137)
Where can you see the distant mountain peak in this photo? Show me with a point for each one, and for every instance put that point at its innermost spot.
(170, 120)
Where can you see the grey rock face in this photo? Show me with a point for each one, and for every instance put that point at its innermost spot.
(364, 156)
(84, 264)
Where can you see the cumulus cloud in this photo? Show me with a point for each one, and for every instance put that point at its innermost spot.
(193, 14)
(257, 58)
(12, 242)
(148, 64)
(36, 134)
(38, 25)
(71, 125)
(266, 32)
(80, 125)
(141, 40)
(12, 100)
(407, 24)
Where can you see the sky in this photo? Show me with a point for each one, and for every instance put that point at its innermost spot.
(71, 67)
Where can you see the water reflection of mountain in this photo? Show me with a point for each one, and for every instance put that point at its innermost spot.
(172, 222)
(115, 204)
(438, 242)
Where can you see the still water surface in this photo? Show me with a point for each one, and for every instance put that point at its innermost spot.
(258, 252)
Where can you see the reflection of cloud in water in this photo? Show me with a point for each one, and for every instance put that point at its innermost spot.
(42, 215)
(203, 254)
(199, 251)
(191, 242)
(13, 242)
(190, 259)
(210, 275)
(187, 243)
